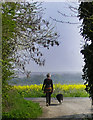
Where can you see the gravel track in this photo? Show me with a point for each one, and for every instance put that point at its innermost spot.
(72, 107)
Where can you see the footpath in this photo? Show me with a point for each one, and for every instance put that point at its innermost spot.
(72, 107)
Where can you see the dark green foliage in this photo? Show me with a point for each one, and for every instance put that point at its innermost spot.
(86, 14)
(8, 25)
(8, 28)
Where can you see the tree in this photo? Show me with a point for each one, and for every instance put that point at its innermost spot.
(86, 14)
(8, 28)
(24, 32)
(30, 33)
(8, 25)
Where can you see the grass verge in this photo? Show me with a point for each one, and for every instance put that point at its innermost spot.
(17, 107)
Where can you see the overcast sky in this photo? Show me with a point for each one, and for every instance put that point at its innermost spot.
(66, 56)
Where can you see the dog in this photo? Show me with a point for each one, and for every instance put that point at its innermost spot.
(59, 98)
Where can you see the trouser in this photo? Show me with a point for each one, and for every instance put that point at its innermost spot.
(48, 98)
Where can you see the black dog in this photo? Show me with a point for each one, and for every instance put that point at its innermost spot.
(59, 98)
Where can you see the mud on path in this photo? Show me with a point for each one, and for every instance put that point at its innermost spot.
(76, 107)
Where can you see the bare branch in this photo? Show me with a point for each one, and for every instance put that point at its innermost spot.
(64, 21)
(74, 13)
(65, 15)
(32, 33)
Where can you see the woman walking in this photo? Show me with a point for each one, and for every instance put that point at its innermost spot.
(48, 89)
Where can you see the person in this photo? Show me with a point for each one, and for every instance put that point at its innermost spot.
(48, 88)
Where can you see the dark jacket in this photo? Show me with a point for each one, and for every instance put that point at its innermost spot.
(47, 85)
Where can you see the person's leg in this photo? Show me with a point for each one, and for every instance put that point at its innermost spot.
(49, 98)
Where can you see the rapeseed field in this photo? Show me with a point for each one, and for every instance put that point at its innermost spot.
(66, 90)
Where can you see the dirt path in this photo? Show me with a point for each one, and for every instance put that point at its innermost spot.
(70, 108)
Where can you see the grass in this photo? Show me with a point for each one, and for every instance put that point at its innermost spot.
(66, 90)
(17, 107)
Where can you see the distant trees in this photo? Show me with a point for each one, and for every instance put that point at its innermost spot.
(25, 32)
(86, 14)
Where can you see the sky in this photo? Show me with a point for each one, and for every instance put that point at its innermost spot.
(66, 57)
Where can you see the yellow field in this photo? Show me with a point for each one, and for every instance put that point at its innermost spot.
(55, 86)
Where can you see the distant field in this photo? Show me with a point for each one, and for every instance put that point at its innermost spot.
(38, 78)
(66, 90)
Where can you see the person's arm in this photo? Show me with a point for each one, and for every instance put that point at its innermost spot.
(43, 85)
(52, 84)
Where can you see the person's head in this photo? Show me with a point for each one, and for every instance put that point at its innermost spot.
(48, 75)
